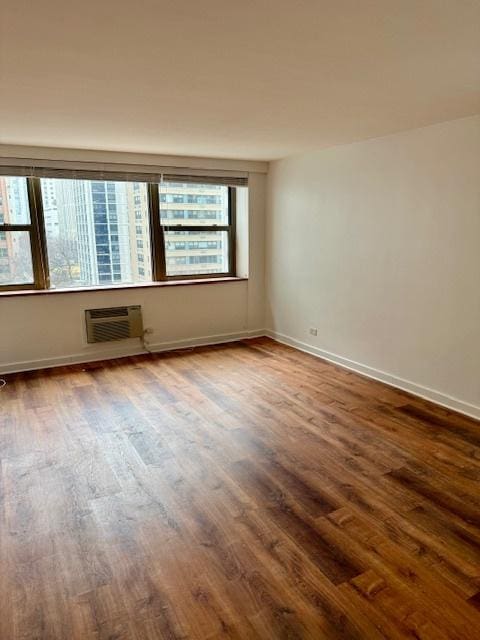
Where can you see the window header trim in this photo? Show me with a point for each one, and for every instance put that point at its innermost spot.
(118, 172)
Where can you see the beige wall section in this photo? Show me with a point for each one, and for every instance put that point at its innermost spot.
(44, 330)
(377, 245)
(256, 246)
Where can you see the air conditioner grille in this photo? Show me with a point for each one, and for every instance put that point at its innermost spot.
(108, 313)
(111, 331)
(116, 323)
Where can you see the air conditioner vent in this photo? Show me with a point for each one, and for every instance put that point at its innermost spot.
(108, 313)
(102, 332)
(115, 323)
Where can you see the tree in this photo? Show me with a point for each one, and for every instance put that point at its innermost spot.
(63, 262)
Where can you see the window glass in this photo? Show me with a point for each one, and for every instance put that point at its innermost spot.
(193, 204)
(15, 258)
(14, 207)
(188, 251)
(196, 252)
(93, 229)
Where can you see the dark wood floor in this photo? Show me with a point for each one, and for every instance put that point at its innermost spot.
(244, 491)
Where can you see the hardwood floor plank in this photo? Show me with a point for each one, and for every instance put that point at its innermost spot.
(242, 491)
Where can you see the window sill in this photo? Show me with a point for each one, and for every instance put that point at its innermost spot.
(145, 285)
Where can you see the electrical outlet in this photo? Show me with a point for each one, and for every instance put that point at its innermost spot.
(148, 331)
(313, 331)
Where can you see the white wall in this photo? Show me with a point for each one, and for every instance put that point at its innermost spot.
(377, 244)
(43, 330)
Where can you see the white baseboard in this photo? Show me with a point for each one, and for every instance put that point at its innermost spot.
(205, 340)
(426, 393)
(122, 351)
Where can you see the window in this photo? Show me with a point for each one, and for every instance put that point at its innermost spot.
(58, 232)
(16, 231)
(198, 225)
(94, 242)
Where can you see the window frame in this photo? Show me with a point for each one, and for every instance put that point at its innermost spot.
(39, 252)
(36, 231)
(230, 228)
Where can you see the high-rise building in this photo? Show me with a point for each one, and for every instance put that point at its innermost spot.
(194, 252)
(139, 231)
(50, 210)
(107, 243)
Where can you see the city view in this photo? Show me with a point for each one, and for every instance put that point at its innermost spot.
(15, 253)
(98, 232)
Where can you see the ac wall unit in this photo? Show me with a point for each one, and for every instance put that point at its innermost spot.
(114, 323)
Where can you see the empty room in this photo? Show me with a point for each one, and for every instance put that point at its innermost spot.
(240, 320)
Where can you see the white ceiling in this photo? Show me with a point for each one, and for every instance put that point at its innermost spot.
(255, 79)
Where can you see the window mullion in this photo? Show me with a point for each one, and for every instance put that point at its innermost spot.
(232, 219)
(193, 227)
(15, 227)
(156, 234)
(37, 234)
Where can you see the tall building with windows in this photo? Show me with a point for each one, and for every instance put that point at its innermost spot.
(110, 250)
(139, 229)
(14, 201)
(200, 205)
(50, 210)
